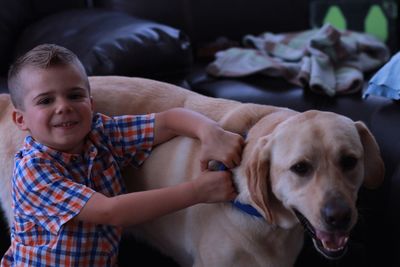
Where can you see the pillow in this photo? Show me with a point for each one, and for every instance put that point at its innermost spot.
(114, 43)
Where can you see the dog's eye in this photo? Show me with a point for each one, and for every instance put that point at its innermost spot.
(301, 168)
(348, 162)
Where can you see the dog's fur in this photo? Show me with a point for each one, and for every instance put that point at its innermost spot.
(310, 163)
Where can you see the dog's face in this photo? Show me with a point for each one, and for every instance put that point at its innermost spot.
(310, 168)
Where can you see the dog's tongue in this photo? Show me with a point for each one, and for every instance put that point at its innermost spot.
(332, 241)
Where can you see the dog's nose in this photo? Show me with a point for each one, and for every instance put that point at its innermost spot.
(336, 214)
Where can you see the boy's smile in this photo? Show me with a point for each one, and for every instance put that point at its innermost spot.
(57, 107)
(66, 125)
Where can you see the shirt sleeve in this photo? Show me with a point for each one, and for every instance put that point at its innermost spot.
(46, 195)
(132, 137)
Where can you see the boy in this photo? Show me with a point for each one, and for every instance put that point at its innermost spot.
(68, 198)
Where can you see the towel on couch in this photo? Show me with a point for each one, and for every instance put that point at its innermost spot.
(386, 81)
(325, 60)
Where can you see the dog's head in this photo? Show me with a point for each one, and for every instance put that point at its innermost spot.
(309, 168)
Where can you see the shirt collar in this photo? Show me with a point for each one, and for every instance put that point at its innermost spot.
(32, 145)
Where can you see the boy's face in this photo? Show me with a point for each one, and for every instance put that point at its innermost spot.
(57, 107)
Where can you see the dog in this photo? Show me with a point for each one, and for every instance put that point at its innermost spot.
(299, 171)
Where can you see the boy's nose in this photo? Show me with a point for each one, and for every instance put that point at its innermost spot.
(63, 106)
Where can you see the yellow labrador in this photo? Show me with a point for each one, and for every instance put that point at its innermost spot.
(298, 170)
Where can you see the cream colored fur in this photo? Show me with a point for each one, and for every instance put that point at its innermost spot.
(276, 139)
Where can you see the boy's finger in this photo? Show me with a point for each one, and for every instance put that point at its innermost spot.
(203, 165)
(237, 159)
(229, 164)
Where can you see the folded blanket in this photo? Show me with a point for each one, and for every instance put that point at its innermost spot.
(326, 60)
(386, 81)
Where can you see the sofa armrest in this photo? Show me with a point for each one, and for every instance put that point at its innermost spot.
(114, 43)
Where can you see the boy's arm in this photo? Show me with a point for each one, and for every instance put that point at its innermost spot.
(180, 121)
(217, 144)
(138, 207)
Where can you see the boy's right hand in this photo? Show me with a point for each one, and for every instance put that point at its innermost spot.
(214, 186)
(220, 145)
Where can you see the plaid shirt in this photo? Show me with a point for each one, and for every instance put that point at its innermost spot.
(50, 188)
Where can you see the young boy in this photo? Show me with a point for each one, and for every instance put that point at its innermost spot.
(68, 194)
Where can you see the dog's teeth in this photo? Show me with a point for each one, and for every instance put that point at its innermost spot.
(328, 248)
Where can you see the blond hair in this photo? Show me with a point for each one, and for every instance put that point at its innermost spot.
(42, 56)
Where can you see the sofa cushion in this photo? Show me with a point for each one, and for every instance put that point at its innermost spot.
(114, 43)
(42, 8)
(12, 18)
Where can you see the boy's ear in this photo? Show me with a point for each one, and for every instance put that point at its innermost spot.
(18, 119)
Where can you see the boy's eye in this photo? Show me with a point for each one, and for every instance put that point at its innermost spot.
(76, 96)
(44, 101)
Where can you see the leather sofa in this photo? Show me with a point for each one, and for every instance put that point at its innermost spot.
(173, 41)
(108, 42)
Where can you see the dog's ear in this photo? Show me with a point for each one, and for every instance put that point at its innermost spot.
(257, 172)
(373, 163)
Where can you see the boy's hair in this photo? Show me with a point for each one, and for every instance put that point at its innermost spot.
(42, 56)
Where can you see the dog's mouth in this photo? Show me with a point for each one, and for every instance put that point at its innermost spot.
(332, 245)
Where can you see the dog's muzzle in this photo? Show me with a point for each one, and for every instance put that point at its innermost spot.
(332, 245)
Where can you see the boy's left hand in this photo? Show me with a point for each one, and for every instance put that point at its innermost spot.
(220, 145)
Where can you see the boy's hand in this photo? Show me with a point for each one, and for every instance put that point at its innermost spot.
(214, 186)
(220, 145)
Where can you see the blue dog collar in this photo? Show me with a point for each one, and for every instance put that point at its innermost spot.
(247, 208)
